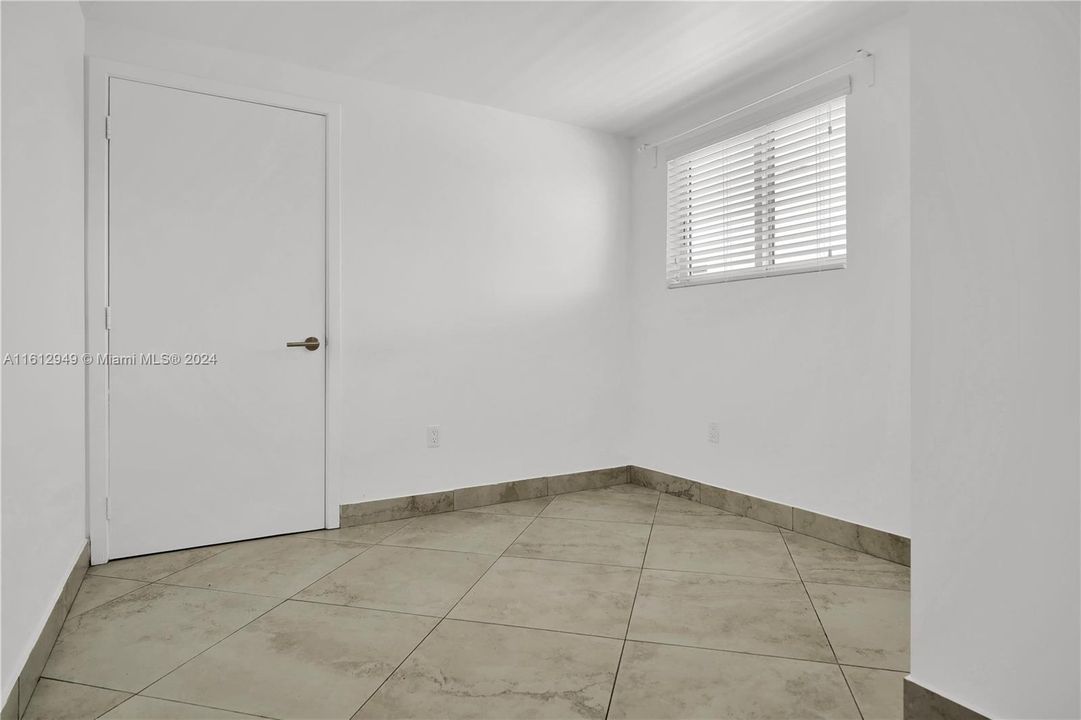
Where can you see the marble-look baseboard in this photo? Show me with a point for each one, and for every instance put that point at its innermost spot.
(879, 543)
(665, 483)
(588, 480)
(767, 511)
(16, 703)
(373, 511)
(482, 495)
(923, 704)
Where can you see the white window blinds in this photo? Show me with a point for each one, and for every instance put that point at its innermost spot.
(768, 202)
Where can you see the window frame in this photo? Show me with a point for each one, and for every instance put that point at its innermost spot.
(765, 232)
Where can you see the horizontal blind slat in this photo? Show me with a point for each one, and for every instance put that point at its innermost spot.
(781, 227)
(794, 204)
(777, 167)
(781, 129)
(728, 164)
(824, 242)
(779, 190)
(808, 229)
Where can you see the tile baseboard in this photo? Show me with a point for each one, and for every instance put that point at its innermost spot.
(923, 704)
(373, 511)
(879, 543)
(17, 702)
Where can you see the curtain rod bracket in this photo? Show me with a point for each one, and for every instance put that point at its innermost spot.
(868, 55)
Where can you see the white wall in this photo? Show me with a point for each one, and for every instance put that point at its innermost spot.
(807, 375)
(43, 466)
(995, 352)
(484, 278)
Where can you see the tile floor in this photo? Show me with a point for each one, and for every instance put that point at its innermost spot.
(618, 603)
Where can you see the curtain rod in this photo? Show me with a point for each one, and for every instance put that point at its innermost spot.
(861, 54)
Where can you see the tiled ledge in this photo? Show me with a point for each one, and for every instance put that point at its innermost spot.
(879, 543)
(840, 532)
(373, 511)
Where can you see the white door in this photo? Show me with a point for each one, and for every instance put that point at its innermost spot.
(217, 260)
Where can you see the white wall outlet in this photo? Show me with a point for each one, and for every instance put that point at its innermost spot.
(715, 433)
(433, 436)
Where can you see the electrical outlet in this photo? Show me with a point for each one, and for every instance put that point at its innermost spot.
(715, 433)
(433, 436)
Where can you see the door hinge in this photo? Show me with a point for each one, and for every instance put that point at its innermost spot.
(108, 127)
(108, 318)
(108, 510)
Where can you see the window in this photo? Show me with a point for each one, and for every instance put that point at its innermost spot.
(768, 202)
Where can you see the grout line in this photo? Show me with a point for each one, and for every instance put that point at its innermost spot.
(192, 704)
(847, 547)
(744, 652)
(823, 626)
(440, 621)
(871, 667)
(857, 585)
(219, 590)
(630, 615)
(163, 582)
(328, 572)
(581, 519)
(198, 654)
(363, 607)
(144, 689)
(493, 623)
(89, 685)
(83, 612)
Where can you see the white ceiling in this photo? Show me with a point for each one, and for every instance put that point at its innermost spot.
(614, 66)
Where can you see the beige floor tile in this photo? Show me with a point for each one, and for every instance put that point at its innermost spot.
(132, 641)
(155, 567)
(769, 617)
(464, 531)
(277, 566)
(55, 700)
(364, 534)
(610, 543)
(619, 504)
(470, 670)
(301, 660)
(524, 508)
(677, 511)
(878, 692)
(729, 552)
(145, 708)
(662, 681)
(401, 579)
(824, 562)
(553, 595)
(866, 626)
(98, 590)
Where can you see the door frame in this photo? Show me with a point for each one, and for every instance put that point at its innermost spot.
(99, 72)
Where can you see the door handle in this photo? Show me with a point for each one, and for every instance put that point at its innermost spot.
(311, 343)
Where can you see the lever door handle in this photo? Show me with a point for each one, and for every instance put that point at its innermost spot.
(311, 343)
